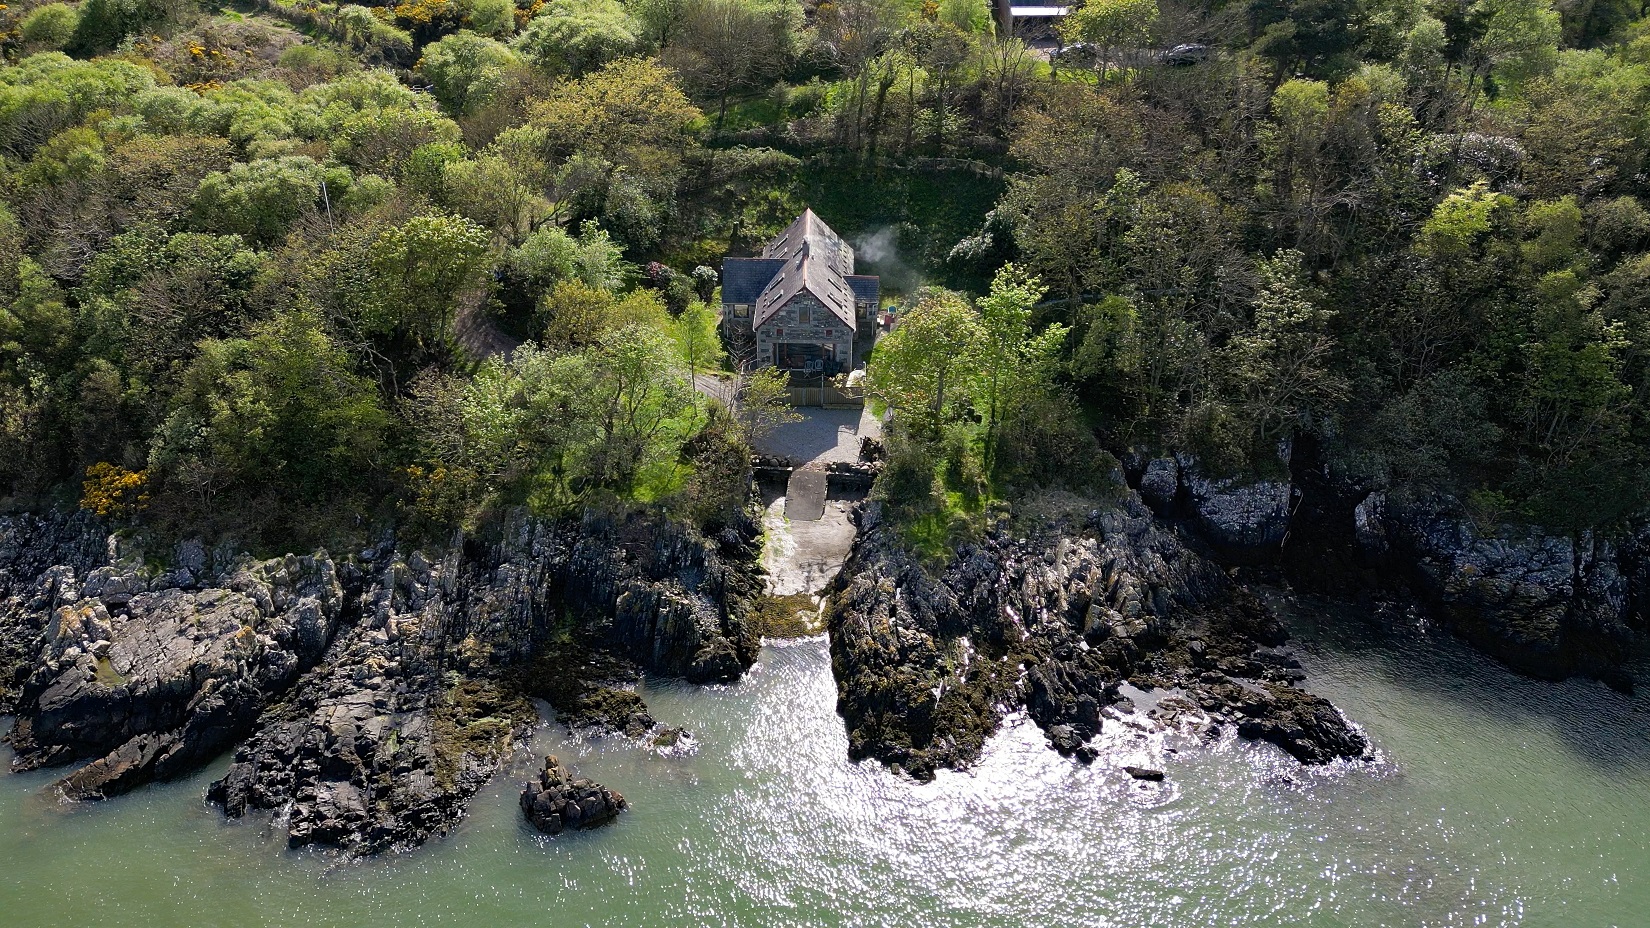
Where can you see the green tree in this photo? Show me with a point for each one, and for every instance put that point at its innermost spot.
(1111, 26)
(1281, 368)
(722, 47)
(572, 37)
(260, 200)
(922, 367)
(420, 270)
(49, 27)
(280, 411)
(1015, 366)
(1519, 40)
(466, 70)
(697, 341)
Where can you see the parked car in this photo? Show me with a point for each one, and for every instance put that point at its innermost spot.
(1183, 55)
(1075, 53)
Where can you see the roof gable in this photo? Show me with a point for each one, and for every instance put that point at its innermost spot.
(806, 271)
(822, 243)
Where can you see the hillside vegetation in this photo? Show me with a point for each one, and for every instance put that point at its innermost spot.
(261, 263)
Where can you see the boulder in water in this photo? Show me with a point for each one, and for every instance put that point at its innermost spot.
(559, 801)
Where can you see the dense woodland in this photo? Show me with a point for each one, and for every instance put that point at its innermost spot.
(262, 263)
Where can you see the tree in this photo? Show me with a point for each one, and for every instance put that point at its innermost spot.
(659, 19)
(696, 338)
(1519, 41)
(420, 269)
(577, 314)
(260, 200)
(1111, 25)
(1459, 223)
(493, 18)
(466, 70)
(627, 120)
(494, 192)
(104, 23)
(721, 47)
(761, 401)
(49, 27)
(1280, 368)
(572, 37)
(1014, 366)
(922, 366)
(280, 410)
(639, 394)
(970, 16)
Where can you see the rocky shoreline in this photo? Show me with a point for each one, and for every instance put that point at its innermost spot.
(1054, 618)
(375, 693)
(368, 697)
(1547, 605)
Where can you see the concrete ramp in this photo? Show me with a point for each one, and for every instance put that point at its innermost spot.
(805, 495)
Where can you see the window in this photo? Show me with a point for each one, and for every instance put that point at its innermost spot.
(804, 315)
(742, 310)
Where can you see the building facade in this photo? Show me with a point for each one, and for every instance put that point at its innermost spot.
(799, 303)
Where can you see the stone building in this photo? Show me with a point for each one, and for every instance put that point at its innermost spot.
(799, 303)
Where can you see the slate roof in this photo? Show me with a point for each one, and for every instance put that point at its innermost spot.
(822, 242)
(815, 259)
(807, 272)
(867, 289)
(744, 279)
(807, 256)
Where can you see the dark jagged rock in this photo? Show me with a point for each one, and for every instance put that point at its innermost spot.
(591, 688)
(379, 694)
(673, 599)
(1546, 605)
(382, 747)
(1244, 519)
(1144, 773)
(153, 682)
(38, 557)
(559, 801)
(1306, 725)
(417, 705)
(1055, 620)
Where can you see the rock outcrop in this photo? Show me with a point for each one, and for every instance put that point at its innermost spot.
(1244, 519)
(37, 557)
(420, 701)
(152, 679)
(377, 693)
(1054, 620)
(1546, 605)
(558, 801)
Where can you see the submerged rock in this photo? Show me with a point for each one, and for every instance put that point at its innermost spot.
(559, 801)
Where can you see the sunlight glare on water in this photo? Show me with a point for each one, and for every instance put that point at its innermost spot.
(1498, 801)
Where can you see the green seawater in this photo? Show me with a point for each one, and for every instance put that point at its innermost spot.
(1496, 801)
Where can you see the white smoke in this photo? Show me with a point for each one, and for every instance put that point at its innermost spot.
(877, 252)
